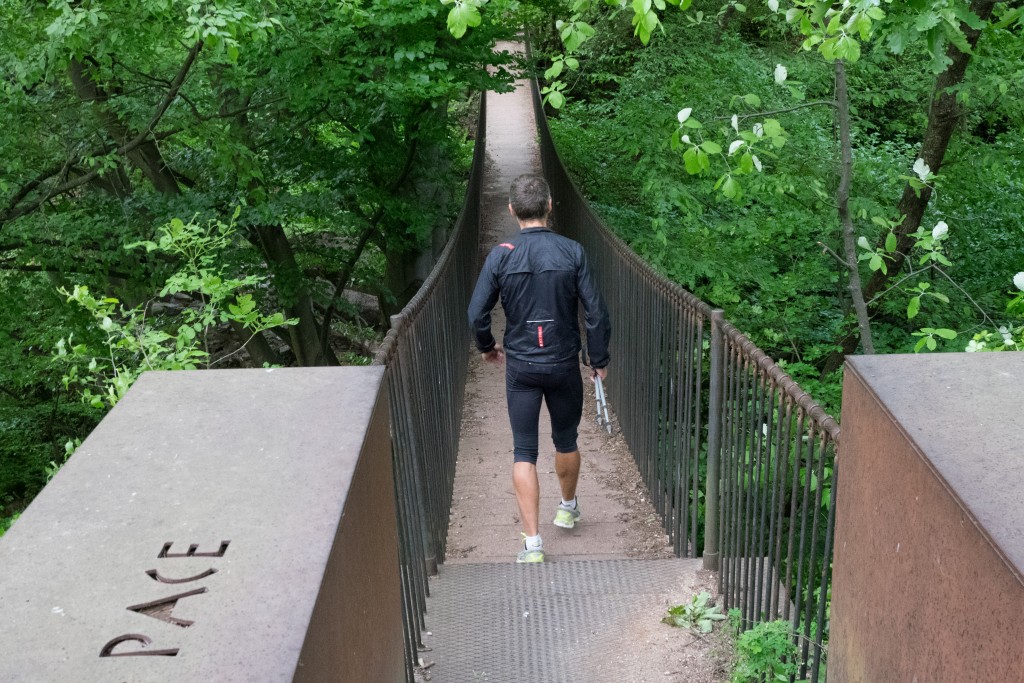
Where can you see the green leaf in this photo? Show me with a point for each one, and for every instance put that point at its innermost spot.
(913, 307)
(926, 20)
(711, 147)
(731, 188)
(890, 242)
(691, 160)
(462, 16)
(556, 99)
(946, 333)
(747, 163)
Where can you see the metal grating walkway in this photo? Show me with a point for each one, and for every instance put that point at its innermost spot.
(551, 623)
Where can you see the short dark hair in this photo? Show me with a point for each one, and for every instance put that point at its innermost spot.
(529, 197)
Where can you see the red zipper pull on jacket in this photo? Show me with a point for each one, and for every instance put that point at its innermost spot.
(540, 335)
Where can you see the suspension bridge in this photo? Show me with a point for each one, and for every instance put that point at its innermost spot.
(358, 524)
(578, 617)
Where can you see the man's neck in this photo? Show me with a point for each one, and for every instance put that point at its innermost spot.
(527, 226)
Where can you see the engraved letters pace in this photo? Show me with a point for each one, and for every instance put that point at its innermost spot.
(163, 609)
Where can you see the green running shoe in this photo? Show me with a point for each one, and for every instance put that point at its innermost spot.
(567, 517)
(526, 555)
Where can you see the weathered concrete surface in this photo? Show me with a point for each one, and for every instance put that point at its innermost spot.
(281, 480)
(929, 554)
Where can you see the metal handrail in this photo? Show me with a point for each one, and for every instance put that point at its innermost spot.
(426, 359)
(720, 433)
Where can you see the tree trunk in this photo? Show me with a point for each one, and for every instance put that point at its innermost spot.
(146, 157)
(290, 283)
(256, 346)
(942, 119)
(846, 221)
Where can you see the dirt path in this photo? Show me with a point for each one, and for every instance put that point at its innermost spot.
(617, 522)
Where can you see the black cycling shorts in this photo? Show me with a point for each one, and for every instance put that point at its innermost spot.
(561, 389)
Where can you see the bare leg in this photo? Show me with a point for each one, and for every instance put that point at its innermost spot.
(567, 467)
(524, 479)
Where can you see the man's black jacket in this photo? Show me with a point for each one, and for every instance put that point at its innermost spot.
(540, 276)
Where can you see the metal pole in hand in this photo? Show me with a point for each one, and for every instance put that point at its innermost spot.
(602, 404)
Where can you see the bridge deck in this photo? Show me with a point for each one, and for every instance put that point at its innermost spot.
(616, 523)
(491, 620)
(591, 621)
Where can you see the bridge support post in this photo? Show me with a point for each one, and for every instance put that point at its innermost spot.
(711, 550)
(929, 553)
(218, 525)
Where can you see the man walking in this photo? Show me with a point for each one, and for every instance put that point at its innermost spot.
(540, 276)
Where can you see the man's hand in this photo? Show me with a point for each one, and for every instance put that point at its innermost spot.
(495, 356)
(598, 372)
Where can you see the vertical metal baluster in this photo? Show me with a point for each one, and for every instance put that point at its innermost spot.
(715, 409)
(746, 420)
(778, 500)
(662, 388)
(686, 499)
(676, 397)
(805, 511)
(695, 381)
(826, 575)
(737, 483)
(761, 381)
(811, 573)
(791, 532)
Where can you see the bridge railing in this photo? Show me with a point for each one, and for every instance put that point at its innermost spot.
(739, 461)
(426, 354)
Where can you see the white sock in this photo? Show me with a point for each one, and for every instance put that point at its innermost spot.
(534, 542)
(569, 504)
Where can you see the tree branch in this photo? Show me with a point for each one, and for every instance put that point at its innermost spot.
(342, 281)
(805, 105)
(10, 265)
(827, 249)
(943, 115)
(14, 211)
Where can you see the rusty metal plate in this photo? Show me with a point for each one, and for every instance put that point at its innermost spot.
(965, 411)
(928, 547)
(195, 534)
